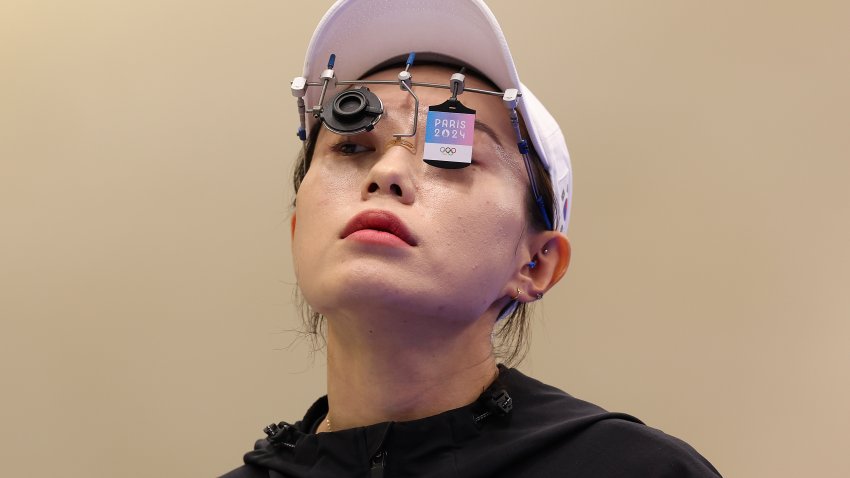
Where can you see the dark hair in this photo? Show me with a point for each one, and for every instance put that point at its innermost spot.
(512, 332)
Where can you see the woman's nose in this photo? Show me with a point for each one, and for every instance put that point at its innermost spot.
(391, 175)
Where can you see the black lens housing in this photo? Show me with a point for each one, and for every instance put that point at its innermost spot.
(352, 111)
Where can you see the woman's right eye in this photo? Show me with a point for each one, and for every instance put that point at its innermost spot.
(347, 148)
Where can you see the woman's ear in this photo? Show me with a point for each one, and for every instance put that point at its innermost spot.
(550, 254)
(561, 244)
(292, 226)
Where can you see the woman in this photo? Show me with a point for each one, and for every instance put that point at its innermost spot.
(414, 265)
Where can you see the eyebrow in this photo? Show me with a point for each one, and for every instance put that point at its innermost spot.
(488, 131)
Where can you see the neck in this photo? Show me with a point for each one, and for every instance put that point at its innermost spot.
(378, 373)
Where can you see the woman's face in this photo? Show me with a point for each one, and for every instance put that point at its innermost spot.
(465, 227)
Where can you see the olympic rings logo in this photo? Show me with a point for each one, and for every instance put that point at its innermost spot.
(447, 150)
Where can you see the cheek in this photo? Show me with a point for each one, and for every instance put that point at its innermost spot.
(328, 180)
(327, 187)
(489, 202)
(320, 211)
(478, 234)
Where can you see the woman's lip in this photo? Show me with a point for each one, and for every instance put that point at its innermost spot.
(378, 220)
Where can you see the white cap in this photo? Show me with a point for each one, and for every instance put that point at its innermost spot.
(366, 33)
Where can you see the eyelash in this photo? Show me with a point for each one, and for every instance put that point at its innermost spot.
(340, 148)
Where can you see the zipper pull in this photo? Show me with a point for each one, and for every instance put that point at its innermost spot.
(378, 462)
(379, 459)
(281, 434)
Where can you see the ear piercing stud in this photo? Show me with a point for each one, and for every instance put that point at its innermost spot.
(537, 296)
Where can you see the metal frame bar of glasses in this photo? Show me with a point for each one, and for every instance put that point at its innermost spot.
(510, 98)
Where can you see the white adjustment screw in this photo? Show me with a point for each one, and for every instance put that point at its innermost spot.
(299, 86)
(510, 98)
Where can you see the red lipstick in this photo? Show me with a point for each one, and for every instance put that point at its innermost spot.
(377, 226)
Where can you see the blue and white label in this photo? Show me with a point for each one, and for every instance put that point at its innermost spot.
(448, 137)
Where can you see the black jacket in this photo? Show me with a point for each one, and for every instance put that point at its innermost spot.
(519, 427)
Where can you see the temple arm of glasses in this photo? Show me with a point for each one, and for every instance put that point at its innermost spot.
(524, 150)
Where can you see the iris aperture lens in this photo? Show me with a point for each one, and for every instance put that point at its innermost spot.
(349, 104)
(352, 111)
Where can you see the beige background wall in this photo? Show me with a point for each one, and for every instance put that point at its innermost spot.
(145, 279)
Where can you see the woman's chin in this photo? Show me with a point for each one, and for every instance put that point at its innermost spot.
(371, 288)
(366, 296)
